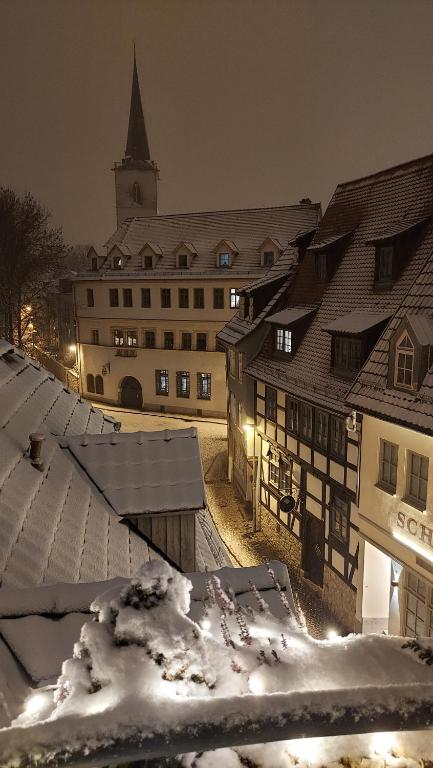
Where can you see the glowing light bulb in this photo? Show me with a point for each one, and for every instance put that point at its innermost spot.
(205, 624)
(332, 635)
(35, 703)
(255, 685)
(72, 347)
(382, 743)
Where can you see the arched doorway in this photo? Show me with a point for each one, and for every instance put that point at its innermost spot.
(131, 395)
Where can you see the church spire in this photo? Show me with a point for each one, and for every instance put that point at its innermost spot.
(137, 145)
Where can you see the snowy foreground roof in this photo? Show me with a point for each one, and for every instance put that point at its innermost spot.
(146, 680)
(58, 524)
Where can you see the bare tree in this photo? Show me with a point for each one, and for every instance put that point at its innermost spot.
(31, 252)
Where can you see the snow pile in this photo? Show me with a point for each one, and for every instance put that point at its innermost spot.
(144, 672)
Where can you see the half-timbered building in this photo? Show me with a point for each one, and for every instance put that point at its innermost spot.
(369, 247)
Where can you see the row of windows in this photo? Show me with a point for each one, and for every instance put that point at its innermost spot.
(184, 260)
(416, 478)
(219, 299)
(312, 425)
(183, 384)
(385, 264)
(129, 337)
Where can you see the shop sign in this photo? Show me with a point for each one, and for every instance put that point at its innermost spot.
(411, 528)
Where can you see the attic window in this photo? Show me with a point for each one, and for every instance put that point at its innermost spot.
(384, 262)
(346, 354)
(268, 258)
(137, 194)
(94, 263)
(182, 261)
(404, 362)
(283, 340)
(117, 262)
(147, 262)
(224, 260)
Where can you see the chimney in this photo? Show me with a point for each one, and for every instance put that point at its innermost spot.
(36, 442)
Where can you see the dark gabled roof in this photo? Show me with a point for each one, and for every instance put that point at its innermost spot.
(371, 393)
(303, 234)
(356, 322)
(246, 229)
(329, 241)
(290, 315)
(268, 279)
(364, 207)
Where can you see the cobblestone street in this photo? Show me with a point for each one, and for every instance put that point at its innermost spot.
(228, 512)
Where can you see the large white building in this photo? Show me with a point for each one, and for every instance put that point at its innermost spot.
(148, 310)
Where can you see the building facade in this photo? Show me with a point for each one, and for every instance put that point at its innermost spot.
(394, 392)
(148, 311)
(369, 248)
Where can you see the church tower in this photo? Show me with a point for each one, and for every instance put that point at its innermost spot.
(136, 177)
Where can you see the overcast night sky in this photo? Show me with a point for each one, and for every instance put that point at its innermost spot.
(247, 102)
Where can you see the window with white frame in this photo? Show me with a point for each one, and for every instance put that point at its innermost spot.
(388, 462)
(417, 479)
(234, 298)
(404, 362)
(118, 337)
(131, 338)
(283, 340)
(418, 604)
(182, 383)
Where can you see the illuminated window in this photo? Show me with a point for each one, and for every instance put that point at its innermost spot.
(223, 259)
(285, 483)
(131, 338)
(234, 298)
(283, 340)
(204, 384)
(274, 469)
(404, 362)
(161, 382)
(182, 384)
(118, 337)
(388, 465)
(117, 262)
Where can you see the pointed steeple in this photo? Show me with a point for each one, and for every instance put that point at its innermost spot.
(137, 145)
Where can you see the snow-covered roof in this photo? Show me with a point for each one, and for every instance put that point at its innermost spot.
(356, 322)
(55, 524)
(143, 472)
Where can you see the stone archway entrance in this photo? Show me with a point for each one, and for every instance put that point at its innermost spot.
(131, 395)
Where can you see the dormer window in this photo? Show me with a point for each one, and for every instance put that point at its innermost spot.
(224, 260)
(137, 194)
(268, 258)
(117, 262)
(94, 263)
(283, 340)
(385, 262)
(347, 354)
(182, 261)
(404, 362)
(147, 262)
